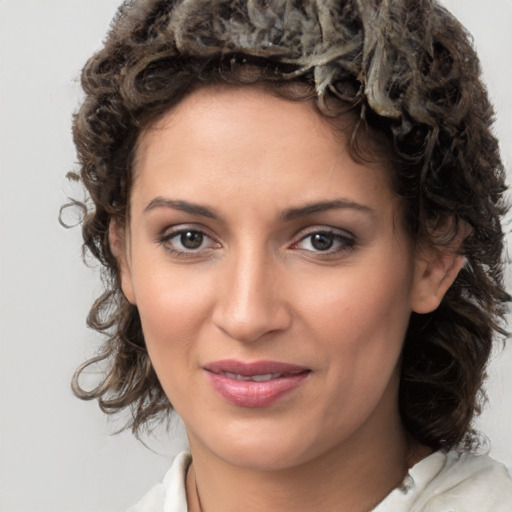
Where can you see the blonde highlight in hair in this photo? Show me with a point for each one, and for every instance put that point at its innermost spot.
(399, 78)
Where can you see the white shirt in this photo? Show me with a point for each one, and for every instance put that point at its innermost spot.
(442, 482)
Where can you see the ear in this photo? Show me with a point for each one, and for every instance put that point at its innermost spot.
(119, 247)
(435, 270)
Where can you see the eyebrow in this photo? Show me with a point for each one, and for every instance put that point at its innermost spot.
(288, 214)
(336, 204)
(184, 206)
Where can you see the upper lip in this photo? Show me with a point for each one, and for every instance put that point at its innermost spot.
(249, 369)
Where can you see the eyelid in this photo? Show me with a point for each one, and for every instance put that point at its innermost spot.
(323, 228)
(341, 235)
(171, 232)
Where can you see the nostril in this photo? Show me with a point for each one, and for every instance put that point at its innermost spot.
(251, 301)
(249, 324)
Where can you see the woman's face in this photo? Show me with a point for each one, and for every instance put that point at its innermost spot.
(273, 279)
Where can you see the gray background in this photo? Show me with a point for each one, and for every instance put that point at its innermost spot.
(56, 452)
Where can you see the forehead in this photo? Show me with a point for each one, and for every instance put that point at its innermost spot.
(344, 121)
(254, 143)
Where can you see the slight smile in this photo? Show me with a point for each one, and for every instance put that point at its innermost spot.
(256, 384)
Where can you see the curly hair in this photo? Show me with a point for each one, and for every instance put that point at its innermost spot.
(405, 72)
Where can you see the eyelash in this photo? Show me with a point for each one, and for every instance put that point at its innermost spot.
(168, 236)
(344, 242)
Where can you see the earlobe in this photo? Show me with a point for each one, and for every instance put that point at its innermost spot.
(118, 246)
(435, 271)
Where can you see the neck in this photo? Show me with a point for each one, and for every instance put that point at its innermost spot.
(345, 478)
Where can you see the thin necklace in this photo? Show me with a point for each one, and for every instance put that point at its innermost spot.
(410, 456)
(197, 490)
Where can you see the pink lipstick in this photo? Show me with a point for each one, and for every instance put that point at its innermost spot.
(255, 384)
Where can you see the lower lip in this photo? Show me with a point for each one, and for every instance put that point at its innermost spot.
(244, 393)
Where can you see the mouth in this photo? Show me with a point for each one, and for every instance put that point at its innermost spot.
(257, 384)
(253, 378)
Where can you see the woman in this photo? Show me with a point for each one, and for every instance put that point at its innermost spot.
(297, 206)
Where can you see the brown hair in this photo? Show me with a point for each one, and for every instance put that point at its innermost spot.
(406, 71)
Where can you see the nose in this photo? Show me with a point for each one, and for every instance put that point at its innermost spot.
(252, 302)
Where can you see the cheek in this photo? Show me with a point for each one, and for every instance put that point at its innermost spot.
(361, 316)
(173, 309)
(359, 325)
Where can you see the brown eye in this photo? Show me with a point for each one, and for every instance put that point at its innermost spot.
(185, 241)
(328, 242)
(191, 239)
(322, 241)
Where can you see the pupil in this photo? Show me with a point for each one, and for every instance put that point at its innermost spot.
(191, 239)
(322, 241)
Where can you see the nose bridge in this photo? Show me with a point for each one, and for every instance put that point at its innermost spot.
(251, 304)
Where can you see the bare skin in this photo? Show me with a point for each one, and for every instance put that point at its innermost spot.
(326, 490)
(253, 237)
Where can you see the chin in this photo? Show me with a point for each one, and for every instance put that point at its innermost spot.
(261, 457)
(260, 448)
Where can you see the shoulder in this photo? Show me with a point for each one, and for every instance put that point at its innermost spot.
(471, 482)
(170, 494)
(453, 482)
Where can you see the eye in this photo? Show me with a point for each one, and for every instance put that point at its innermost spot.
(191, 239)
(326, 241)
(187, 241)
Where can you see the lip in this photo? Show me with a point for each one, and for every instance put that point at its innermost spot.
(225, 376)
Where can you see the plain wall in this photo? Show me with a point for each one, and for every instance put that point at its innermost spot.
(56, 452)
